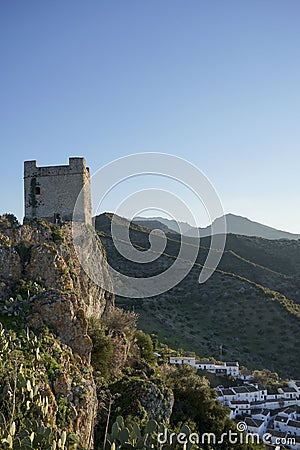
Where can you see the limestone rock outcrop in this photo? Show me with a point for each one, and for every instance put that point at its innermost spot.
(45, 254)
(42, 256)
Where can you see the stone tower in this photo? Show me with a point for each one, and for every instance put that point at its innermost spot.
(52, 192)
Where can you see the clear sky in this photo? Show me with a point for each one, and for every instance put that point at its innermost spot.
(216, 82)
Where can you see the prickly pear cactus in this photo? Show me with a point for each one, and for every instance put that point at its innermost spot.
(135, 438)
(25, 422)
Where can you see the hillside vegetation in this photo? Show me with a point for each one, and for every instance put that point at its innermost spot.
(250, 306)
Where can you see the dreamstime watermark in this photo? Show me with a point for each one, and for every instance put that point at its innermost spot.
(86, 242)
(241, 436)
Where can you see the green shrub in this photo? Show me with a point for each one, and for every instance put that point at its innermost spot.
(56, 234)
(12, 219)
(24, 251)
(27, 288)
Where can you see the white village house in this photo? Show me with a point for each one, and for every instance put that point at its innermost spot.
(226, 368)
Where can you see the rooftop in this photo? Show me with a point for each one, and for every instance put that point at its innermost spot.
(288, 389)
(240, 402)
(256, 423)
(182, 357)
(276, 433)
(227, 392)
(288, 410)
(240, 389)
(262, 412)
(280, 418)
(294, 423)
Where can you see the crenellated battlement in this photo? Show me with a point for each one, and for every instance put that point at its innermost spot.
(76, 165)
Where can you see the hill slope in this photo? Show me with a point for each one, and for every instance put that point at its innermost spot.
(250, 305)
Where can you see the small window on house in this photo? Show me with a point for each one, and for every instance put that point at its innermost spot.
(37, 190)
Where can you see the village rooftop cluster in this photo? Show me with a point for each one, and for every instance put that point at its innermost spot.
(277, 414)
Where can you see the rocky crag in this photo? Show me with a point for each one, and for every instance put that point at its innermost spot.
(41, 259)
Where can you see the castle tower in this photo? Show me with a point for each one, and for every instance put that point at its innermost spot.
(51, 192)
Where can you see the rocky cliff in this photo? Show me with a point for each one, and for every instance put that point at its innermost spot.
(44, 256)
(39, 262)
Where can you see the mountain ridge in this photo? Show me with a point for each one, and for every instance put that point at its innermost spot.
(236, 224)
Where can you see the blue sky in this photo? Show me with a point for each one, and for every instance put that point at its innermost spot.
(215, 82)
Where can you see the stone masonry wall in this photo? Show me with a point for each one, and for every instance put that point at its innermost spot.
(55, 189)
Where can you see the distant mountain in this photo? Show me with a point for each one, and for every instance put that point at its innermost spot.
(155, 224)
(235, 225)
(247, 227)
(163, 224)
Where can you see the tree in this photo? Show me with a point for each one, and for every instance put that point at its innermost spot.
(145, 345)
(120, 323)
(102, 350)
(195, 404)
(266, 377)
